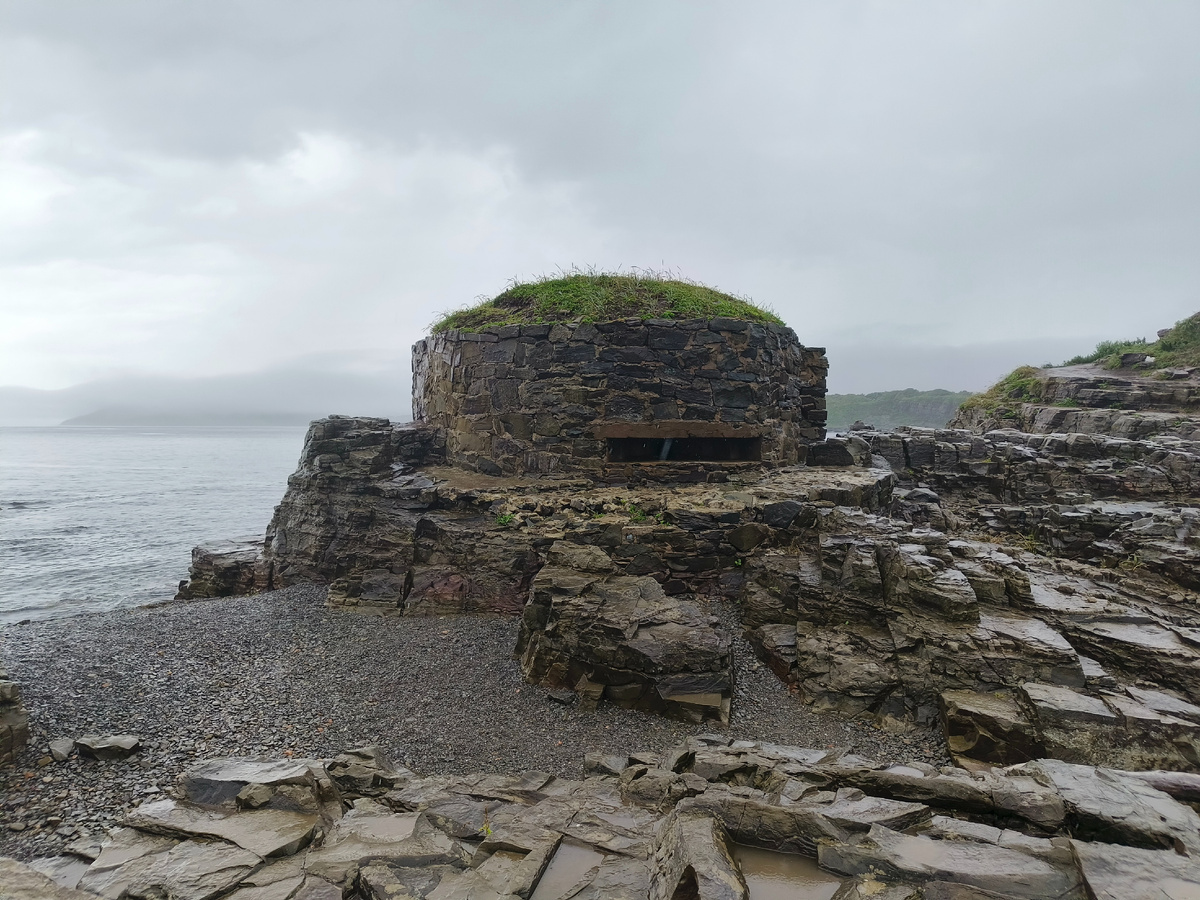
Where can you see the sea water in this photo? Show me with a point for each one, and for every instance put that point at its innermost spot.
(96, 518)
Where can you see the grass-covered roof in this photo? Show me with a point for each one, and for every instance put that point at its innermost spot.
(602, 297)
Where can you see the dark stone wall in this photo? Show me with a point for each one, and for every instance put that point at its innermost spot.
(14, 720)
(545, 398)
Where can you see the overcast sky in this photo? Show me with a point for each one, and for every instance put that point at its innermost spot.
(935, 191)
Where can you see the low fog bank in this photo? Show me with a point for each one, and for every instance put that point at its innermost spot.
(869, 368)
(292, 394)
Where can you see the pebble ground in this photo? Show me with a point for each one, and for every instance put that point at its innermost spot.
(282, 674)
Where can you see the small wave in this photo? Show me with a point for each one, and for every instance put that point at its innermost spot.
(53, 609)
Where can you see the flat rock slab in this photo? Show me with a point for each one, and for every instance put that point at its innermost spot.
(861, 813)
(265, 832)
(913, 858)
(1064, 708)
(1115, 872)
(193, 871)
(1165, 703)
(363, 833)
(124, 854)
(64, 870)
(21, 882)
(1107, 803)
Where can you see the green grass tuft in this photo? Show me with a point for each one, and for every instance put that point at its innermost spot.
(603, 297)
(1004, 398)
(1179, 347)
(1109, 350)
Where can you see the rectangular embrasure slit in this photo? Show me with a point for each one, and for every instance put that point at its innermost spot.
(684, 449)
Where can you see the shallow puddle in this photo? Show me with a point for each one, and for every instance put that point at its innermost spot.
(784, 876)
(568, 865)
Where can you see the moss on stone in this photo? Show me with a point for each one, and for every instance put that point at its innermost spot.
(603, 297)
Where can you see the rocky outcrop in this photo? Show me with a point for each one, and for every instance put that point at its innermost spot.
(14, 720)
(1129, 505)
(849, 577)
(1032, 587)
(371, 513)
(1129, 403)
(622, 639)
(697, 822)
(222, 569)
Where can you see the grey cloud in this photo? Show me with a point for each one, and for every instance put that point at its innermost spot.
(931, 174)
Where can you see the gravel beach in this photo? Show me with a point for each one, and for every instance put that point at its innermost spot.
(282, 674)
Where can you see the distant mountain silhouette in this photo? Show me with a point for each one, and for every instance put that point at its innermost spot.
(126, 416)
(293, 394)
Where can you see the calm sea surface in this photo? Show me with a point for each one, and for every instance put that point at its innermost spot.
(94, 518)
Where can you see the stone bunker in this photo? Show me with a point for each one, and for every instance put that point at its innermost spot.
(663, 399)
(646, 492)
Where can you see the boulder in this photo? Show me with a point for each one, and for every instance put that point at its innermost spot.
(222, 568)
(643, 649)
(218, 782)
(112, 746)
(988, 728)
(365, 772)
(61, 748)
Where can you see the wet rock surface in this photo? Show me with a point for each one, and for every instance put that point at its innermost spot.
(271, 674)
(1029, 594)
(919, 578)
(222, 568)
(588, 627)
(666, 826)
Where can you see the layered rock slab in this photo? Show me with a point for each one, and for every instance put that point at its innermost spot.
(667, 827)
(623, 639)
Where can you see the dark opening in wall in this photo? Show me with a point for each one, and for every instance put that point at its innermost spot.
(684, 449)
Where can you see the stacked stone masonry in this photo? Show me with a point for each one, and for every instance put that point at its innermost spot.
(553, 398)
(14, 720)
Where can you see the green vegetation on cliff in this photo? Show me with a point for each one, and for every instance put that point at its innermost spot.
(603, 297)
(1178, 347)
(1004, 398)
(889, 409)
